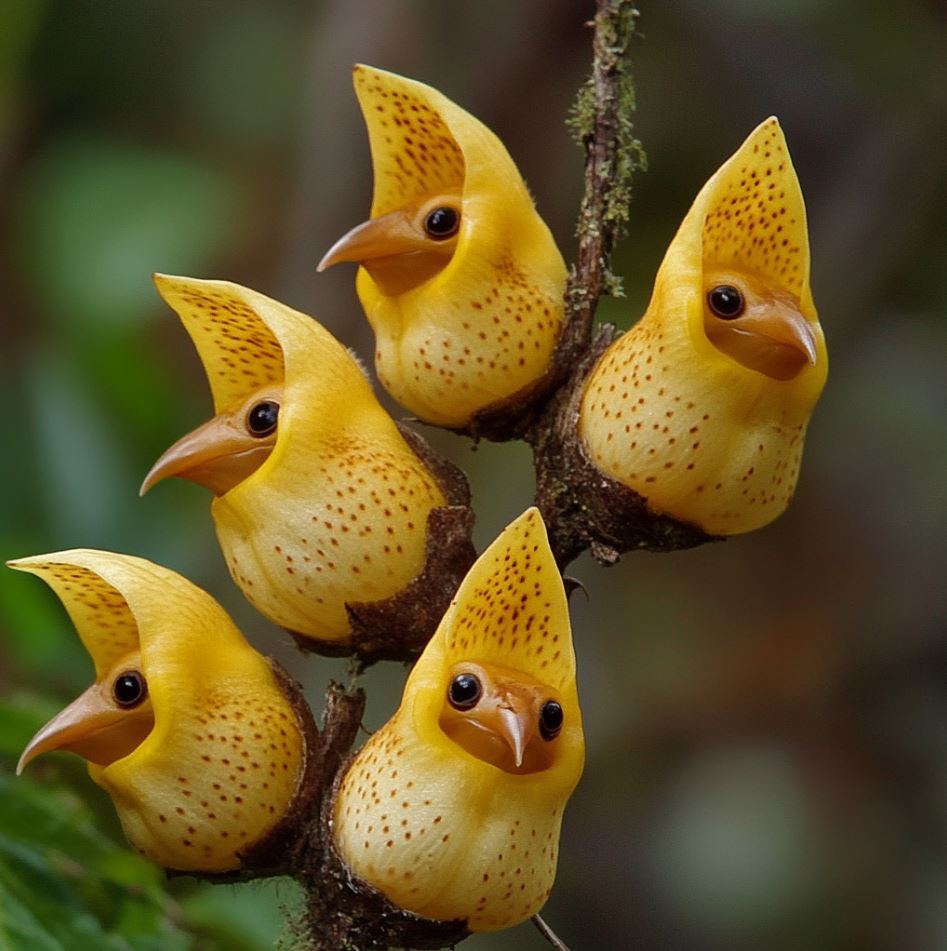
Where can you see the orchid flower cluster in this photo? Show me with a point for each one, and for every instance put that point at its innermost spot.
(341, 525)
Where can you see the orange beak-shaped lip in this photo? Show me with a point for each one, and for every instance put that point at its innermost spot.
(773, 338)
(784, 325)
(391, 234)
(218, 455)
(515, 723)
(93, 727)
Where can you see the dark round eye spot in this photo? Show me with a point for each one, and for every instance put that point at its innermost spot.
(129, 689)
(262, 418)
(550, 720)
(464, 691)
(726, 301)
(442, 223)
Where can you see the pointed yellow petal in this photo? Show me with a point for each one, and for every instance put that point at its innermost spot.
(105, 624)
(239, 352)
(511, 609)
(223, 761)
(247, 341)
(754, 217)
(415, 152)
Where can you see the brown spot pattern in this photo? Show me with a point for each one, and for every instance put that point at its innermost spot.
(457, 354)
(423, 848)
(340, 512)
(756, 220)
(413, 150)
(225, 754)
(221, 779)
(238, 350)
(354, 529)
(511, 610)
(99, 612)
(485, 326)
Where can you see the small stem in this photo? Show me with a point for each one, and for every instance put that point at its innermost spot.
(583, 509)
(549, 934)
(601, 123)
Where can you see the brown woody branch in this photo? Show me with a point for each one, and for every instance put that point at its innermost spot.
(601, 123)
(582, 508)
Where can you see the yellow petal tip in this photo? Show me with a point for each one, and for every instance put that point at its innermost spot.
(161, 280)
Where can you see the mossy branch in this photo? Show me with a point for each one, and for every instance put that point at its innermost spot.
(601, 123)
(582, 508)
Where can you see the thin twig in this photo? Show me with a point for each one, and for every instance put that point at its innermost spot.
(549, 934)
(601, 123)
(584, 509)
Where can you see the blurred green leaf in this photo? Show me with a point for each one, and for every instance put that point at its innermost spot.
(20, 717)
(15, 40)
(19, 927)
(86, 477)
(140, 398)
(98, 217)
(51, 818)
(66, 885)
(247, 917)
(234, 91)
(37, 632)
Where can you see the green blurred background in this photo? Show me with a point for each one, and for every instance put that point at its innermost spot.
(766, 719)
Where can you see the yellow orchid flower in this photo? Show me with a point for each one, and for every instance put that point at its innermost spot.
(460, 278)
(702, 407)
(452, 809)
(320, 503)
(186, 727)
